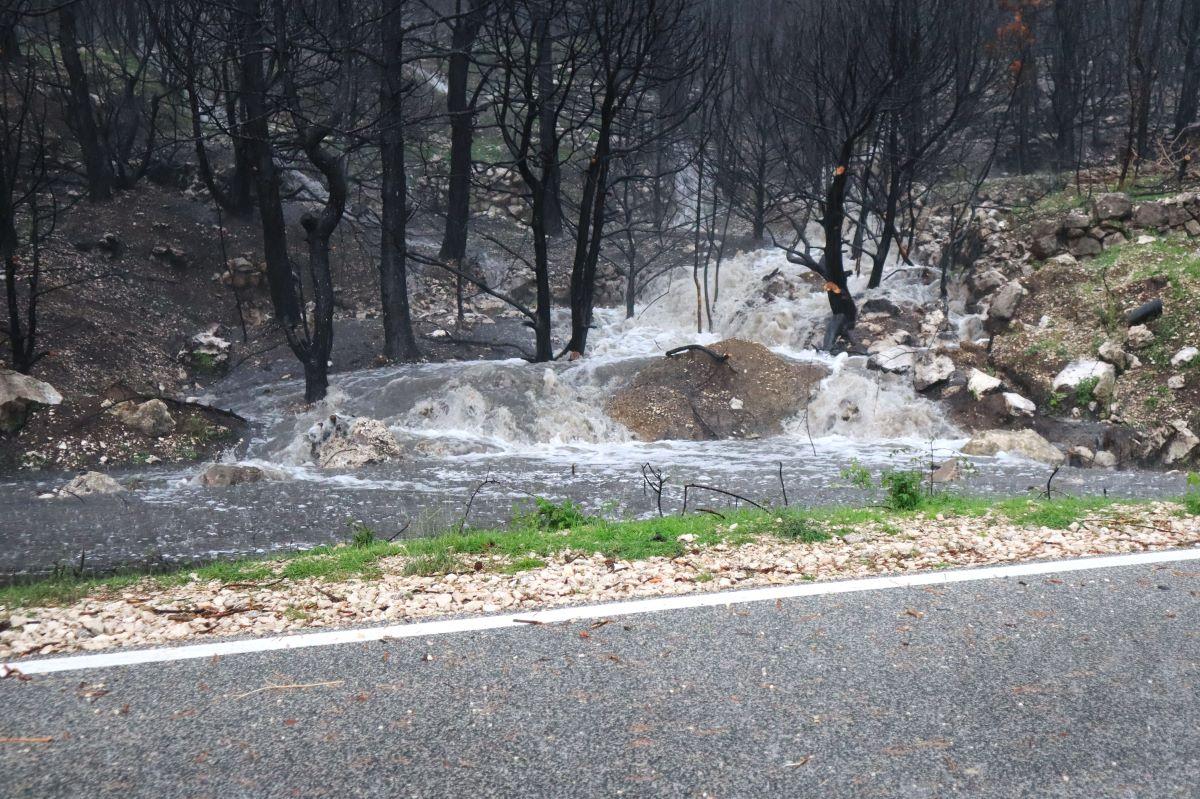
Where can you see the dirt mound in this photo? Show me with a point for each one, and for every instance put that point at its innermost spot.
(734, 389)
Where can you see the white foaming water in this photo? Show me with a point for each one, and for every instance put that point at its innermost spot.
(512, 407)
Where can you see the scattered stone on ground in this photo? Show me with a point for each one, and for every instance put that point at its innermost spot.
(1102, 375)
(203, 610)
(980, 383)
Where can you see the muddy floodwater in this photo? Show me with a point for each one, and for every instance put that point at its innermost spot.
(537, 430)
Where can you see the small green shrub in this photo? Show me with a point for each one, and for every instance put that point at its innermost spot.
(431, 565)
(857, 475)
(553, 516)
(1085, 392)
(1191, 500)
(904, 489)
(797, 527)
(361, 536)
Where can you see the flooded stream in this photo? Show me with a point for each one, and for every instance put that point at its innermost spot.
(538, 430)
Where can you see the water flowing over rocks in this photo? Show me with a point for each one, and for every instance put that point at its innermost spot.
(1020, 442)
(90, 483)
(341, 442)
(747, 394)
(223, 475)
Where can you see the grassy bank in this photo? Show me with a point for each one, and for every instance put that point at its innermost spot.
(550, 529)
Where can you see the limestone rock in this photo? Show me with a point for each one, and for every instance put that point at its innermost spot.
(1111, 352)
(1086, 247)
(223, 475)
(947, 472)
(1077, 372)
(980, 383)
(1104, 460)
(90, 483)
(1112, 206)
(690, 396)
(1138, 337)
(206, 351)
(1004, 303)
(930, 369)
(1151, 214)
(1182, 444)
(1021, 442)
(17, 393)
(1185, 356)
(897, 359)
(150, 418)
(1080, 456)
(346, 442)
(1016, 405)
(1176, 382)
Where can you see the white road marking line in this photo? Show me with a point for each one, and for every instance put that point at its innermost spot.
(627, 608)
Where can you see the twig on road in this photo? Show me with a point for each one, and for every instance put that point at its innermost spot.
(289, 687)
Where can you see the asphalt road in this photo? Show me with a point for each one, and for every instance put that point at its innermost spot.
(1083, 685)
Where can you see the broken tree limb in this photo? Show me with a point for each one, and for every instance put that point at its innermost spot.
(714, 489)
(716, 356)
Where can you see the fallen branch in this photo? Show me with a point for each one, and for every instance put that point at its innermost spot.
(40, 739)
(716, 356)
(467, 511)
(718, 491)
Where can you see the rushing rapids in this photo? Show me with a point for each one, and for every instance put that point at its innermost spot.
(538, 429)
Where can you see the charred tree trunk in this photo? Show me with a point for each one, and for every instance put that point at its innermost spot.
(399, 344)
(462, 132)
(82, 117)
(280, 276)
(10, 43)
(548, 132)
(841, 303)
(1189, 91)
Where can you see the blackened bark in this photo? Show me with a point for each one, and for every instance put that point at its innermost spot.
(280, 276)
(81, 116)
(548, 131)
(1189, 91)
(462, 132)
(841, 303)
(399, 344)
(10, 44)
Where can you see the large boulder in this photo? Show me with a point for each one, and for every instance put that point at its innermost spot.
(347, 442)
(150, 418)
(17, 393)
(980, 383)
(1004, 303)
(1077, 372)
(1183, 442)
(1021, 442)
(1015, 405)
(930, 369)
(91, 483)
(223, 475)
(746, 392)
(1112, 206)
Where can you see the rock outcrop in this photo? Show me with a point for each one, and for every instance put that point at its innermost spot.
(746, 392)
(17, 393)
(1078, 372)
